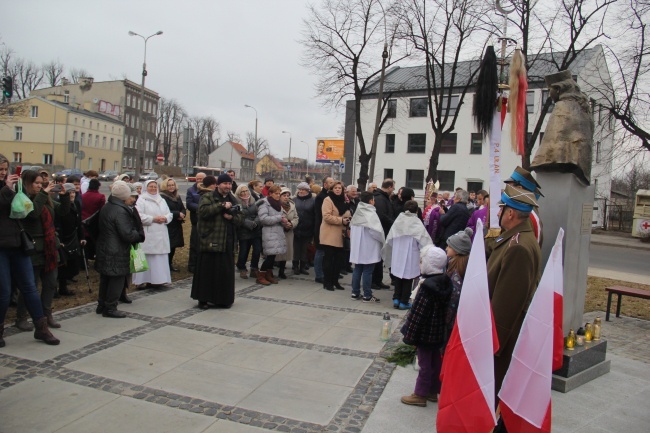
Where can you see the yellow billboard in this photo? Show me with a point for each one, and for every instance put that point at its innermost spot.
(329, 150)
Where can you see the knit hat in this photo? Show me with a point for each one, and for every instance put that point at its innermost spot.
(123, 176)
(68, 187)
(433, 260)
(304, 185)
(121, 190)
(223, 178)
(285, 190)
(134, 190)
(137, 184)
(461, 242)
(94, 184)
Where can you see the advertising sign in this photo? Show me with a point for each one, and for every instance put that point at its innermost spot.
(329, 150)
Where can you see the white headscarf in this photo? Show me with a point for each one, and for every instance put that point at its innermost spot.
(155, 197)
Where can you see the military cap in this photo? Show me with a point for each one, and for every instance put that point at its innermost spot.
(518, 199)
(523, 177)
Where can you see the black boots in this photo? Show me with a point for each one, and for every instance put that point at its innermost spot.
(114, 313)
(63, 289)
(50, 319)
(124, 298)
(42, 332)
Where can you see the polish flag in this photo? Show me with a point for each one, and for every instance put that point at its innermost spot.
(526, 391)
(466, 403)
(558, 309)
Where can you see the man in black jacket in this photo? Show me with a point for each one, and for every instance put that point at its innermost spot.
(387, 218)
(455, 220)
(318, 219)
(192, 199)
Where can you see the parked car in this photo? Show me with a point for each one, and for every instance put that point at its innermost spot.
(36, 168)
(131, 175)
(107, 175)
(152, 175)
(69, 172)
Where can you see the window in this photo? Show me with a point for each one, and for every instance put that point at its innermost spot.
(111, 145)
(474, 186)
(453, 106)
(34, 111)
(449, 143)
(82, 142)
(128, 100)
(90, 139)
(18, 157)
(47, 158)
(418, 107)
(530, 102)
(115, 167)
(96, 140)
(447, 180)
(391, 109)
(118, 144)
(83, 122)
(476, 147)
(74, 135)
(390, 143)
(123, 162)
(66, 97)
(546, 95)
(598, 151)
(414, 179)
(103, 142)
(18, 133)
(90, 124)
(90, 163)
(388, 173)
(417, 143)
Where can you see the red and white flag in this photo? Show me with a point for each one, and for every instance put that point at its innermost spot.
(526, 391)
(558, 308)
(467, 401)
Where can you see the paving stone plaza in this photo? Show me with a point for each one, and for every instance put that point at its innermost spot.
(290, 357)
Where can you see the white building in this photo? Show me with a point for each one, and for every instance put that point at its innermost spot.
(406, 139)
(231, 155)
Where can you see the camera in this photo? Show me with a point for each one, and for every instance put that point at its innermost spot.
(234, 209)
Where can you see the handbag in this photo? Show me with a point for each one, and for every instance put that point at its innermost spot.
(138, 261)
(21, 205)
(91, 224)
(27, 243)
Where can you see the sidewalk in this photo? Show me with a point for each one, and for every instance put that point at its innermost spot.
(290, 357)
(616, 240)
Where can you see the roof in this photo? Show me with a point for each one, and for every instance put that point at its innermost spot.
(414, 78)
(275, 161)
(79, 110)
(243, 152)
(124, 81)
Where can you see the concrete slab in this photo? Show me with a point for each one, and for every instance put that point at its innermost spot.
(47, 405)
(94, 325)
(299, 399)
(151, 306)
(119, 415)
(225, 426)
(330, 368)
(225, 319)
(252, 355)
(362, 321)
(4, 371)
(23, 345)
(289, 329)
(358, 339)
(211, 381)
(178, 341)
(280, 291)
(257, 307)
(310, 314)
(128, 363)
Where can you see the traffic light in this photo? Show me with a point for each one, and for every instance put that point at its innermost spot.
(7, 87)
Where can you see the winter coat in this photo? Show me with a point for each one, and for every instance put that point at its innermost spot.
(331, 230)
(213, 228)
(156, 235)
(292, 216)
(192, 199)
(454, 221)
(119, 229)
(384, 209)
(273, 240)
(9, 229)
(93, 201)
(175, 227)
(425, 322)
(33, 225)
(305, 208)
(318, 214)
(69, 229)
(251, 227)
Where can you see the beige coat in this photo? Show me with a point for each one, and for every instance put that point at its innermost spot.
(331, 229)
(292, 217)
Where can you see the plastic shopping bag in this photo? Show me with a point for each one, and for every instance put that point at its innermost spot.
(21, 205)
(138, 260)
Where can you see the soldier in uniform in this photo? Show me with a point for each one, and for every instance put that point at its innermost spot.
(513, 273)
(522, 179)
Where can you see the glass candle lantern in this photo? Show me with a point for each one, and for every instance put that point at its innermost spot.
(570, 340)
(386, 328)
(589, 332)
(597, 328)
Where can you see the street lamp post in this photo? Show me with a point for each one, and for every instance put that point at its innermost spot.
(303, 141)
(290, 136)
(140, 161)
(256, 144)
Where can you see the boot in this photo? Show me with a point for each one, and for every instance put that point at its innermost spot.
(63, 289)
(124, 298)
(281, 273)
(2, 331)
(253, 273)
(50, 320)
(23, 324)
(43, 333)
(100, 307)
(304, 267)
(261, 278)
(414, 400)
(243, 274)
(269, 276)
(296, 267)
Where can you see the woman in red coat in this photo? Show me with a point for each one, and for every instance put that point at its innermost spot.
(92, 201)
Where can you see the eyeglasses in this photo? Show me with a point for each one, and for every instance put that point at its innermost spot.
(243, 191)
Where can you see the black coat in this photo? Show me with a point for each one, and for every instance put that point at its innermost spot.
(119, 228)
(305, 209)
(454, 221)
(425, 323)
(384, 209)
(9, 229)
(175, 227)
(318, 215)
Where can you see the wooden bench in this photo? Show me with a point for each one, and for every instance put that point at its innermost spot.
(620, 291)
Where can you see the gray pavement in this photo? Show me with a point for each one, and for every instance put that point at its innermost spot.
(290, 357)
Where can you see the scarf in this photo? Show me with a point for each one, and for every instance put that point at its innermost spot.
(51, 261)
(275, 204)
(339, 202)
(286, 206)
(366, 216)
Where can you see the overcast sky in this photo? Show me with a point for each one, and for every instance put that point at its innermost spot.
(214, 57)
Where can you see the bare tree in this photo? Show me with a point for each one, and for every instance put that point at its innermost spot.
(259, 148)
(27, 77)
(344, 42)
(77, 73)
(207, 132)
(440, 30)
(53, 72)
(171, 117)
(233, 136)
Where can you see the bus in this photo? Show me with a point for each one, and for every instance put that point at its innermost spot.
(207, 170)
